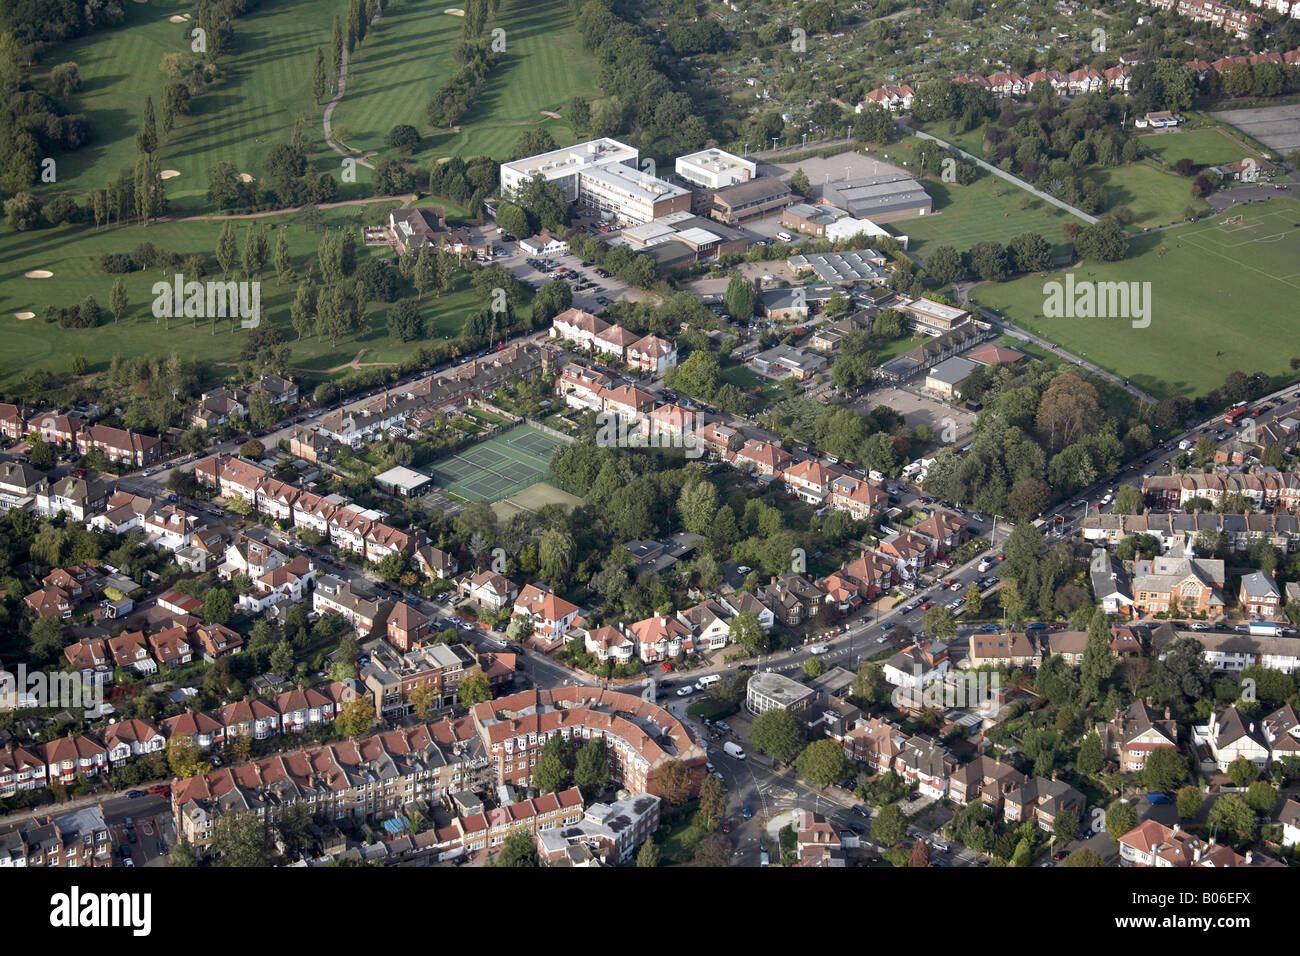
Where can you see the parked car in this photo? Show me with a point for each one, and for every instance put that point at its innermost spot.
(686, 691)
(133, 794)
(746, 812)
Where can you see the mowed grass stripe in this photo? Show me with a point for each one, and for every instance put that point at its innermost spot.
(267, 86)
(393, 76)
(1218, 305)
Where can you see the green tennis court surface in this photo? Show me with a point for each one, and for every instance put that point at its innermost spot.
(498, 467)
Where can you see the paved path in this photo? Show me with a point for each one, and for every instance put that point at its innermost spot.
(1014, 180)
(338, 96)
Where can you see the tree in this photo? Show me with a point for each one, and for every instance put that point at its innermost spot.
(1261, 797)
(117, 300)
(184, 758)
(474, 689)
(813, 668)
(46, 639)
(1065, 827)
(698, 506)
(23, 211)
(714, 850)
(241, 838)
(940, 622)
(674, 782)
(281, 662)
(799, 182)
(518, 849)
(218, 606)
(920, 854)
(320, 83)
(1121, 817)
(1128, 500)
(648, 856)
(713, 800)
(146, 140)
(1083, 857)
(513, 220)
(1232, 819)
(1242, 772)
(1165, 769)
(227, 248)
(282, 261)
(740, 298)
(889, 827)
(748, 633)
(40, 454)
(591, 771)
(821, 762)
(1098, 658)
(776, 733)
(356, 717)
(944, 263)
(256, 250)
(1091, 757)
(1188, 802)
(253, 449)
(554, 765)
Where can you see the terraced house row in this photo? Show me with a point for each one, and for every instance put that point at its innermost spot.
(348, 526)
(1265, 487)
(385, 774)
(93, 754)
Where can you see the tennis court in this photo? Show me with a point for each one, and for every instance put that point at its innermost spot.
(498, 467)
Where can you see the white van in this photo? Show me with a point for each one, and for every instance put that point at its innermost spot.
(785, 237)
(707, 681)
(875, 476)
(983, 565)
(734, 750)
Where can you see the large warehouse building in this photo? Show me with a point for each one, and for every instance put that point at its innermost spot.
(879, 198)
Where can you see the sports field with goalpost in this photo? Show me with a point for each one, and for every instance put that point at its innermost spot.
(499, 467)
(1223, 296)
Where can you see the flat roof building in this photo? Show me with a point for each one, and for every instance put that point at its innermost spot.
(768, 690)
(880, 198)
(715, 169)
(564, 166)
(630, 195)
(750, 200)
(403, 481)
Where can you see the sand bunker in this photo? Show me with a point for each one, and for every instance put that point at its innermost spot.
(551, 113)
(454, 12)
(169, 174)
(24, 316)
(443, 159)
(245, 178)
(179, 18)
(38, 274)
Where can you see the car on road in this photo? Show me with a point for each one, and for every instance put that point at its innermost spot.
(911, 607)
(819, 649)
(686, 691)
(887, 626)
(926, 605)
(723, 726)
(746, 812)
(989, 629)
(744, 569)
(159, 790)
(726, 826)
(133, 794)
(860, 809)
(162, 848)
(1036, 626)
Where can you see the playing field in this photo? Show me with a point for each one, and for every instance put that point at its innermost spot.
(71, 253)
(394, 75)
(1155, 197)
(965, 215)
(266, 88)
(498, 467)
(1223, 299)
(1204, 147)
(532, 498)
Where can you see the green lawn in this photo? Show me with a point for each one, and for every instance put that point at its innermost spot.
(1156, 198)
(71, 254)
(394, 75)
(267, 86)
(1204, 147)
(1223, 298)
(965, 215)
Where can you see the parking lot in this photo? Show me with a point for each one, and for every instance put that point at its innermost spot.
(918, 409)
(589, 287)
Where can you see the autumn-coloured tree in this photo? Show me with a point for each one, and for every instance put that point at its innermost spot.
(920, 854)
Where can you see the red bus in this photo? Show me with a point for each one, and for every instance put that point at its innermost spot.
(1235, 414)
